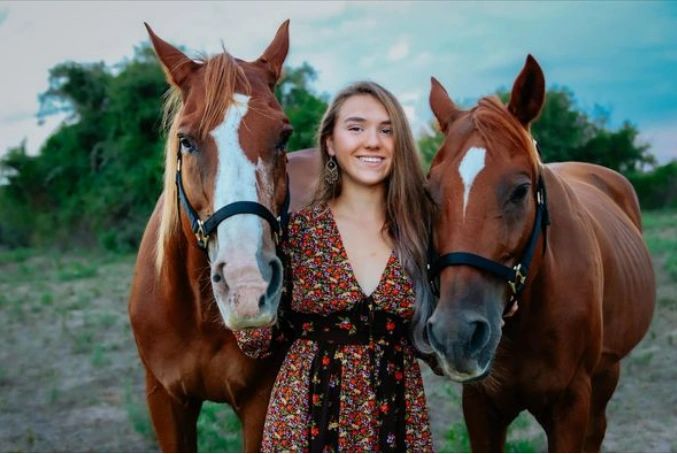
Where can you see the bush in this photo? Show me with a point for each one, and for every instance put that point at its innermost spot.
(657, 188)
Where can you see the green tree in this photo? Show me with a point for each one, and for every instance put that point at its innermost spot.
(303, 107)
(97, 177)
(428, 144)
(565, 133)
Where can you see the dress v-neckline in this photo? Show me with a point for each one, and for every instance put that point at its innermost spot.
(344, 254)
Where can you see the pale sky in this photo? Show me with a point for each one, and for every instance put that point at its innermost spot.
(619, 55)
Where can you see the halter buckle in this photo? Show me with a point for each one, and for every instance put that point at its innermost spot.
(278, 233)
(520, 278)
(202, 237)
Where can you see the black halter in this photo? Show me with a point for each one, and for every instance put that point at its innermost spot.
(515, 276)
(203, 229)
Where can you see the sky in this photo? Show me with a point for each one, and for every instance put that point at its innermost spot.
(621, 56)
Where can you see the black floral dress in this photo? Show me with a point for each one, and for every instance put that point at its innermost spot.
(350, 381)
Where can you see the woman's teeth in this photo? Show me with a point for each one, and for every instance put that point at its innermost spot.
(370, 159)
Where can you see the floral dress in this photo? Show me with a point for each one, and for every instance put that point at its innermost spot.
(350, 381)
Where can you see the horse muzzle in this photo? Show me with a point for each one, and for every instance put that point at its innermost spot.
(464, 345)
(245, 297)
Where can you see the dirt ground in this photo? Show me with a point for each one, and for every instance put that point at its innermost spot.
(70, 379)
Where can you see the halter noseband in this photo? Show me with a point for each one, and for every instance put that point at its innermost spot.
(515, 276)
(204, 229)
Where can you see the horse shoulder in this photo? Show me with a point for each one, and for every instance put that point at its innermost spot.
(157, 328)
(144, 288)
(304, 169)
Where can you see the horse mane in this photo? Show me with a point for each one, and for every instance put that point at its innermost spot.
(221, 75)
(495, 123)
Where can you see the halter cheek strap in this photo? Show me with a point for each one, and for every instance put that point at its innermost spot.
(204, 229)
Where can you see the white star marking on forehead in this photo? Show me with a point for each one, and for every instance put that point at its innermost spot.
(471, 165)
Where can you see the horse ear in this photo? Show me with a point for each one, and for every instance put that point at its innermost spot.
(273, 57)
(176, 65)
(442, 106)
(528, 92)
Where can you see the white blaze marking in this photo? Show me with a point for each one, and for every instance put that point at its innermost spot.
(235, 181)
(471, 165)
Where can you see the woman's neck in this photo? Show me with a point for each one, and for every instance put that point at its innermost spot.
(363, 202)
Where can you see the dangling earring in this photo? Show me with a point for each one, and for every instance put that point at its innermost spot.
(331, 174)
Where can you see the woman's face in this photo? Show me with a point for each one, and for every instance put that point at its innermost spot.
(362, 141)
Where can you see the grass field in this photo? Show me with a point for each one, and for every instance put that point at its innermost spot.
(70, 377)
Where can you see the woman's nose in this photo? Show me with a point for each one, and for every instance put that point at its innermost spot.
(373, 139)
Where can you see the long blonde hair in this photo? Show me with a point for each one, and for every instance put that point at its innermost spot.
(407, 210)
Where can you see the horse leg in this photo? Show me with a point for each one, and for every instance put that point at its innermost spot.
(603, 387)
(565, 420)
(253, 415)
(175, 421)
(487, 426)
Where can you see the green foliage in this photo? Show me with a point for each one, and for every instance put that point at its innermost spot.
(428, 144)
(566, 133)
(303, 107)
(660, 234)
(218, 429)
(457, 438)
(656, 188)
(137, 412)
(98, 176)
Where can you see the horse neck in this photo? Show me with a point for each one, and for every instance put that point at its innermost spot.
(185, 272)
(539, 287)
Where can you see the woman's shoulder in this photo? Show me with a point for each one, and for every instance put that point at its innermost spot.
(308, 216)
(307, 220)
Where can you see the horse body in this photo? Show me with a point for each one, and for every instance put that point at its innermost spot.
(200, 270)
(589, 293)
(613, 214)
(188, 355)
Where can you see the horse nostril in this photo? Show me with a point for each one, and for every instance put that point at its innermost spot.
(479, 337)
(434, 342)
(217, 273)
(275, 278)
(262, 301)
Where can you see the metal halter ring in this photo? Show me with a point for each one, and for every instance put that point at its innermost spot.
(202, 237)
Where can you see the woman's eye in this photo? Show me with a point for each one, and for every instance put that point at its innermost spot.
(387, 131)
(355, 128)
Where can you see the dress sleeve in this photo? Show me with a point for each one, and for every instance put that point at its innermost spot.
(255, 342)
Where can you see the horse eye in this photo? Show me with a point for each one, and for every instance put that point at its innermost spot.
(519, 193)
(284, 138)
(187, 145)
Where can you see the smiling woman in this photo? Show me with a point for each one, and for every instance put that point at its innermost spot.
(350, 381)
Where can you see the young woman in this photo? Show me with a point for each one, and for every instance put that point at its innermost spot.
(350, 381)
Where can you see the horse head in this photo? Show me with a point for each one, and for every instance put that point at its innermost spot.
(484, 181)
(226, 144)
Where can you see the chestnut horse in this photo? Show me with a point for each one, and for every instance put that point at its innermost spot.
(208, 255)
(581, 285)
